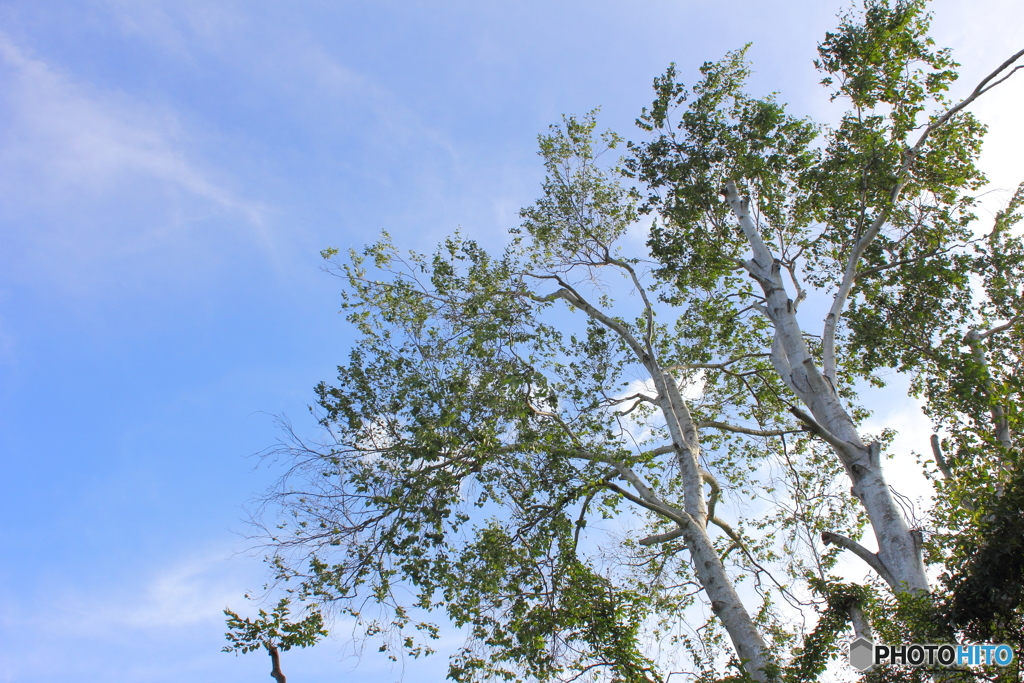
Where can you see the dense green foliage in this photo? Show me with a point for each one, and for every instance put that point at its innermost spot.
(540, 444)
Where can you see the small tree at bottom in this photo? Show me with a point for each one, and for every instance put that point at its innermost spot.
(274, 632)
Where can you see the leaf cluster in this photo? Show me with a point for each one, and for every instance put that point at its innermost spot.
(272, 629)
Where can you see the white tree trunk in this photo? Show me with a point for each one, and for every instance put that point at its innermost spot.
(899, 553)
(692, 520)
(718, 586)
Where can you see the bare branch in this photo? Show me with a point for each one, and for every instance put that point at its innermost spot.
(737, 541)
(801, 293)
(873, 560)
(729, 531)
(982, 88)
(626, 473)
(814, 428)
(645, 492)
(940, 460)
(747, 430)
(557, 418)
(662, 538)
(580, 521)
(1000, 424)
(648, 309)
(741, 207)
(678, 516)
(637, 398)
(634, 397)
(1001, 328)
(861, 627)
(716, 491)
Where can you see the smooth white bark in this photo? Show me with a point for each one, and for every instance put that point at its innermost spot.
(692, 520)
(898, 550)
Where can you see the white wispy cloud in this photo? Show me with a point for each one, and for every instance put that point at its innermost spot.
(134, 618)
(84, 136)
(192, 591)
(77, 163)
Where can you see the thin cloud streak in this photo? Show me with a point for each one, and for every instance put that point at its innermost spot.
(69, 146)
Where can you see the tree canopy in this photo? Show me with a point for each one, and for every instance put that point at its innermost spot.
(628, 445)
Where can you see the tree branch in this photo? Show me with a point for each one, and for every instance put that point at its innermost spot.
(1000, 424)
(662, 538)
(747, 430)
(861, 627)
(897, 264)
(873, 560)
(275, 661)
(638, 398)
(940, 460)
(1001, 328)
(980, 90)
(678, 516)
(569, 294)
(814, 428)
(648, 309)
(741, 208)
(850, 274)
(716, 366)
(716, 490)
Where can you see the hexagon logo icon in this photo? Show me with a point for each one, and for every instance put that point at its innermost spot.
(862, 654)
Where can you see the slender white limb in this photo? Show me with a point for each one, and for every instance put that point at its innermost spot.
(662, 538)
(873, 560)
(1000, 424)
(861, 627)
(716, 491)
(1000, 328)
(648, 309)
(818, 430)
(573, 297)
(865, 239)
(741, 207)
(940, 460)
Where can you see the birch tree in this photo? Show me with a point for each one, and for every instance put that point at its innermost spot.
(593, 456)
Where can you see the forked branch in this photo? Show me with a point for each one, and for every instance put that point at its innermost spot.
(902, 177)
(571, 296)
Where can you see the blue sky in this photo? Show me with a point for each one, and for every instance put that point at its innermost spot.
(169, 171)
